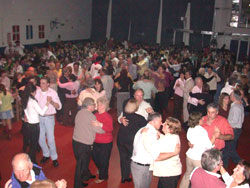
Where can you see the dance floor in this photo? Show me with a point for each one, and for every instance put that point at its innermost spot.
(66, 169)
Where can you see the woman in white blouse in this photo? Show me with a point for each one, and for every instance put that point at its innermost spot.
(32, 111)
(199, 142)
(168, 170)
(240, 177)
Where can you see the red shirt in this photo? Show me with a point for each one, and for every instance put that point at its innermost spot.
(107, 121)
(201, 178)
(223, 125)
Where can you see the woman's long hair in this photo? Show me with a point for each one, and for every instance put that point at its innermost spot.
(29, 88)
(3, 89)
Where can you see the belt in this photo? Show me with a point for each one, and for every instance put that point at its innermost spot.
(48, 115)
(141, 164)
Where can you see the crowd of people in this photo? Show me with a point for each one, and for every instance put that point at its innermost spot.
(76, 84)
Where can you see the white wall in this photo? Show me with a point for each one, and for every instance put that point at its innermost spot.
(74, 14)
(223, 9)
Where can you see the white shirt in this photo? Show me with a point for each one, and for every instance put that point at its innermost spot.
(198, 136)
(33, 177)
(192, 100)
(143, 151)
(177, 90)
(165, 144)
(33, 110)
(108, 84)
(227, 89)
(141, 110)
(6, 82)
(229, 179)
(94, 70)
(213, 83)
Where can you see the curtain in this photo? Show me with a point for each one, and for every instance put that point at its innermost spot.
(243, 50)
(120, 19)
(144, 20)
(201, 15)
(195, 41)
(99, 19)
(172, 12)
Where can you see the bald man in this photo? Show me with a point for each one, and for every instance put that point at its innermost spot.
(24, 172)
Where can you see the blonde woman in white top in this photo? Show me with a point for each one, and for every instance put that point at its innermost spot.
(199, 142)
(168, 170)
(32, 110)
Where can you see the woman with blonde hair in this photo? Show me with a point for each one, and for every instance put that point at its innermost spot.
(103, 142)
(125, 137)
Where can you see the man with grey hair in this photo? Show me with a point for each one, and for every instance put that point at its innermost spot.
(86, 127)
(206, 177)
(213, 121)
(24, 172)
(236, 119)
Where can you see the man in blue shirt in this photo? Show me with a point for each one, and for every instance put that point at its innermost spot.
(24, 172)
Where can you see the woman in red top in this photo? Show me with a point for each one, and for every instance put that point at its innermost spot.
(103, 142)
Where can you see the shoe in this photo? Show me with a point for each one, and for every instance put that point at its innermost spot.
(99, 181)
(126, 180)
(55, 163)
(44, 159)
(86, 178)
(84, 184)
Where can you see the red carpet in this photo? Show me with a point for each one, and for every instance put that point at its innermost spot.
(67, 162)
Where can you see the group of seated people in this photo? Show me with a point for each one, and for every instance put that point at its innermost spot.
(66, 81)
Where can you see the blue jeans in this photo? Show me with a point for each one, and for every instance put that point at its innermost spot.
(47, 126)
(217, 94)
(230, 150)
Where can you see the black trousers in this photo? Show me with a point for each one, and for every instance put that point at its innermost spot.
(125, 151)
(169, 182)
(101, 155)
(82, 154)
(161, 101)
(30, 137)
(70, 106)
(178, 106)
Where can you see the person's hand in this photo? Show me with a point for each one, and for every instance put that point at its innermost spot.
(144, 130)
(177, 148)
(8, 184)
(97, 123)
(201, 102)
(124, 121)
(177, 84)
(217, 132)
(73, 92)
(190, 145)
(149, 110)
(49, 99)
(25, 119)
(90, 90)
(61, 183)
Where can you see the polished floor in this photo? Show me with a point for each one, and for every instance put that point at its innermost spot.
(67, 161)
